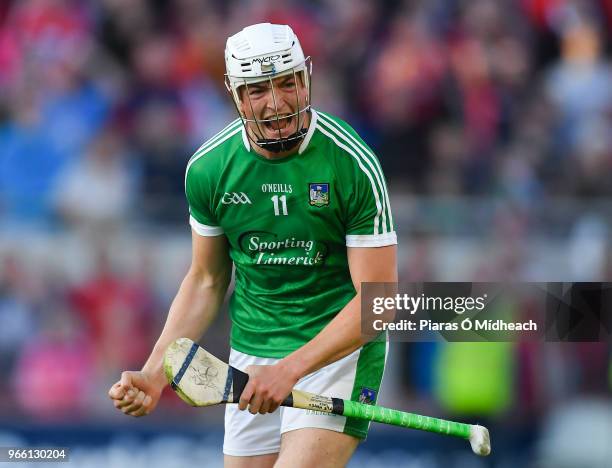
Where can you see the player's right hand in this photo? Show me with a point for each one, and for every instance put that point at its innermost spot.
(136, 393)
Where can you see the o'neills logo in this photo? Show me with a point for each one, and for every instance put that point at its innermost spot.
(267, 248)
(268, 59)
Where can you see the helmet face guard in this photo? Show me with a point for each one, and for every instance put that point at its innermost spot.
(256, 125)
(261, 53)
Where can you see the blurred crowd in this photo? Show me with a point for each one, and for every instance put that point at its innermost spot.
(109, 98)
(103, 102)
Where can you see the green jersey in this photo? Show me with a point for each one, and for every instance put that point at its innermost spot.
(289, 222)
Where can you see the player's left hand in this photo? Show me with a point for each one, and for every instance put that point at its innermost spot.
(268, 386)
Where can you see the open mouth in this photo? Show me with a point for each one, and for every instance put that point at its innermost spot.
(282, 123)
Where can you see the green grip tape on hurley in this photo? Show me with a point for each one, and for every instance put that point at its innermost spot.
(401, 418)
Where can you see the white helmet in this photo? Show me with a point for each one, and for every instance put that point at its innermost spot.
(262, 52)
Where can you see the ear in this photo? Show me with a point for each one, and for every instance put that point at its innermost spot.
(242, 100)
(300, 78)
(239, 91)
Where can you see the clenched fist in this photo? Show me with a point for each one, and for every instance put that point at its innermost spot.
(136, 394)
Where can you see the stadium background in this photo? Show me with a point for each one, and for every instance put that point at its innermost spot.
(493, 123)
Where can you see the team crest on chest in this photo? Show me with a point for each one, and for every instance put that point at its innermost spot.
(319, 194)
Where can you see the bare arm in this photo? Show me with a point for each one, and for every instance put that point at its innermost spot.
(195, 305)
(198, 300)
(343, 335)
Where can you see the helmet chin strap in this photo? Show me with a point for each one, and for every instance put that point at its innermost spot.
(286, 144)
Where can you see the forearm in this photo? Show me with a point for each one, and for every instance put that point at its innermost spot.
(194, 308)
(343, 334)
(338, 339)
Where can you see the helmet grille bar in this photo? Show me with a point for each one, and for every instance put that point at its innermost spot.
(256, 137)
(261, 53)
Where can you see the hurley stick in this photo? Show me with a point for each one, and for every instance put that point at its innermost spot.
(200, 379)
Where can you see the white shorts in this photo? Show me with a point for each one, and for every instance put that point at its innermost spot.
(357, 376)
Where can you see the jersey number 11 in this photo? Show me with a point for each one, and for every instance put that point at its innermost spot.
(283, 202)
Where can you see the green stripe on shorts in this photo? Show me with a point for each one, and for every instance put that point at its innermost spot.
(368, 377)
